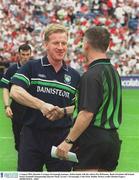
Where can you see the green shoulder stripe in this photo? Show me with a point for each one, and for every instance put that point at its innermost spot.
(6, 81)
(22, 77)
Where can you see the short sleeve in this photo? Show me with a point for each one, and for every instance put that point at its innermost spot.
(22, 76)
(7, 77)
(90, 96)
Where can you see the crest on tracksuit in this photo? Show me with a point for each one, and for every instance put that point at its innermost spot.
(67, 79)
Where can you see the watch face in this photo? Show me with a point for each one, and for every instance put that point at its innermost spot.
(68, 141)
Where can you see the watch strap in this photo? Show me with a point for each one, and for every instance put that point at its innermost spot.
(69, 141)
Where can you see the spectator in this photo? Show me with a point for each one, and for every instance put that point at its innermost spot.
(20, 20)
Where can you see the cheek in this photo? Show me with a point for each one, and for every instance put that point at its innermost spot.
(22, 57)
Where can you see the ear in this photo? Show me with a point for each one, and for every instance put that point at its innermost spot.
(86, 46)
(45, 44)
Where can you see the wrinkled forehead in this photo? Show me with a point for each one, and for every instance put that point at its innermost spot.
(56, 33)
(60, 37)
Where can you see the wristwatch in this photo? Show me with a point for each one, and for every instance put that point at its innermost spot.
(69, 141)
(65, 111)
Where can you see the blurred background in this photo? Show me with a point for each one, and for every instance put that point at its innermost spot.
(24, 21)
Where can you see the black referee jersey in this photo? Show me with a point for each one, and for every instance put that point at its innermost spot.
(100, 93)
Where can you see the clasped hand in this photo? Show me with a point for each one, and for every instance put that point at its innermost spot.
(52, 112)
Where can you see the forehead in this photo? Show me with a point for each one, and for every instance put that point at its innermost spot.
(58, 36)
(25, 52)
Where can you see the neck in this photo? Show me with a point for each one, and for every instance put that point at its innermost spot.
(21, 63)
(95, 56)
(56, 64)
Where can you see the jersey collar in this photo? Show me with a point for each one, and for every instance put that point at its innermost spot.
(18, 65)
(45, 62)
(99, 61)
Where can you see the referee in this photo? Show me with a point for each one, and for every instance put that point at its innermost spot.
(15, 111)
(100, 109)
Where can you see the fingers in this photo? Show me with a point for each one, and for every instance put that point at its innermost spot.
(61, 154)
(46, 107)
(55, 114)
(9, 112)
(62, 150)
(52, 112)
(52, 115)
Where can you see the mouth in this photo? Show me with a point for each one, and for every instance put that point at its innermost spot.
(60, 53)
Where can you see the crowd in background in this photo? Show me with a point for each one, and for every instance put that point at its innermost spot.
(25, 21)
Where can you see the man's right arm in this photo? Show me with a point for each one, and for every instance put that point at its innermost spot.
(20, 95)
(6, 100)
(6, 97)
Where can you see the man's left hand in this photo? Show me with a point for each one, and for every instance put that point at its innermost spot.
(63, 149)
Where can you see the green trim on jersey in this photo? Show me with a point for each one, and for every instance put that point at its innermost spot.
(110, 105)
(22, 77)
(75, 112)
(6, 81)
(107, 115)
(55, 84)
(100, 64)
(116, 122)
(98, 117)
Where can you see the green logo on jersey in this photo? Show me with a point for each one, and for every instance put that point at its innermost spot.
(67, 79)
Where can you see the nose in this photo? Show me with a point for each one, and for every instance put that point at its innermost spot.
(60, 45)
(26, 57)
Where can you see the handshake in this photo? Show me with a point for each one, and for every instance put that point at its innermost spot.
(52, 112)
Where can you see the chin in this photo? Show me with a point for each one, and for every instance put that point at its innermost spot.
(60, 58)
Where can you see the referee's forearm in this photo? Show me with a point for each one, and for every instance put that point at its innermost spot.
(82, 122)
(69, 110)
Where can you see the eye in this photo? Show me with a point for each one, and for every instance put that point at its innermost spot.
(55, 43)
(64, 43)
(60, 43)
